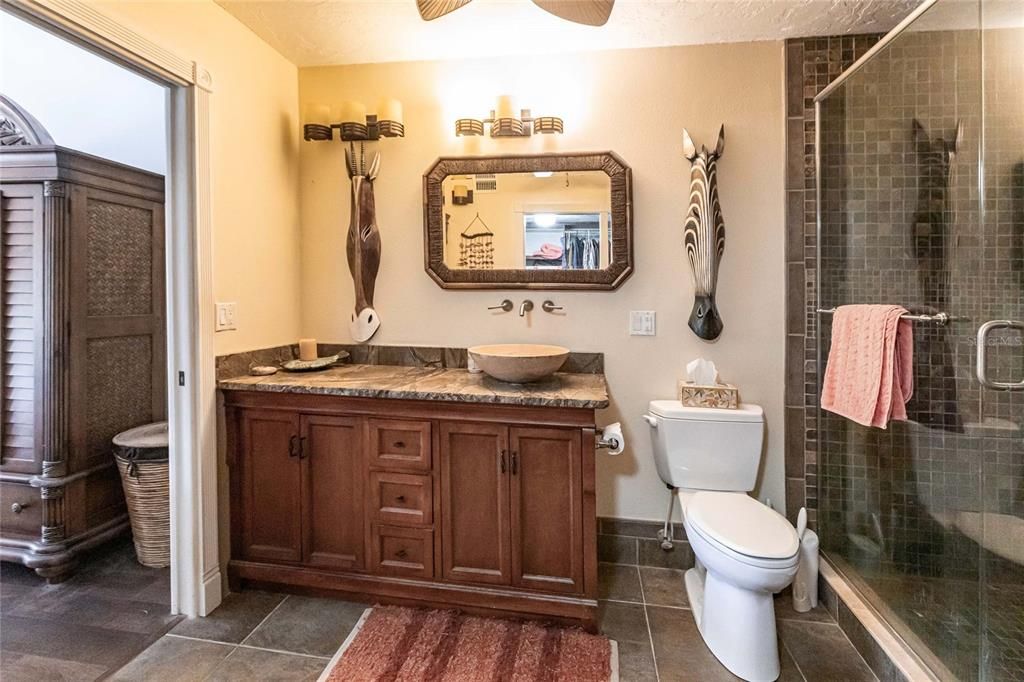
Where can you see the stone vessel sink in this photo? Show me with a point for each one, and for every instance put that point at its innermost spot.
(519, 363)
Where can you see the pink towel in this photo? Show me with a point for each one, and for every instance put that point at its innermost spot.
(869, 377)
(549, 251)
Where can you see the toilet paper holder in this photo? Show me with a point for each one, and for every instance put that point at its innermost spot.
(611, 443)
(610, 438)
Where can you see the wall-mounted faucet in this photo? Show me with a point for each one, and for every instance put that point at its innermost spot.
(505, 305)
(525, 307)
(550, 307)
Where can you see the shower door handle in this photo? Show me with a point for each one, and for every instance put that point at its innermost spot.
(981, 364)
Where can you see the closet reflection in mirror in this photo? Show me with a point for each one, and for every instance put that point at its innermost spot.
(534, 221)
(531, 221)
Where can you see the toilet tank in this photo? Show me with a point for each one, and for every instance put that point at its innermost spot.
(704, 448)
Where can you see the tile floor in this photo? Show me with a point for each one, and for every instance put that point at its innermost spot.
(646, 611)
(90, 631)
(86, 627)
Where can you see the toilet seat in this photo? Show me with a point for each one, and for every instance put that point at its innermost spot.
(742, 528)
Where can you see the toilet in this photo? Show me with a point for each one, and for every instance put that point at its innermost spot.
(745, 551)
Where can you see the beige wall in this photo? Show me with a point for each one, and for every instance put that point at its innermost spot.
(254, 158)
(636, 103)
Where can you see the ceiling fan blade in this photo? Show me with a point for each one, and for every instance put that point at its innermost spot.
(432, 9)
(589, 12)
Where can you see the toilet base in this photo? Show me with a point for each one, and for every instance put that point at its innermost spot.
(747, 645)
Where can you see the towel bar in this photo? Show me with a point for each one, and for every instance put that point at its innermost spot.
(940, 319)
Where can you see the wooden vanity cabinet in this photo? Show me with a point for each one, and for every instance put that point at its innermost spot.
(512, 512)
(484, 507)
(300, 489)
(269, 486)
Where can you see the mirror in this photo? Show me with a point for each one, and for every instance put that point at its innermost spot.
(551, 221)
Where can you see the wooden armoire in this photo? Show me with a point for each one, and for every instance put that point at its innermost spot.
(83, 353)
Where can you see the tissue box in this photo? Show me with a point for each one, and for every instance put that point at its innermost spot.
(720, 395)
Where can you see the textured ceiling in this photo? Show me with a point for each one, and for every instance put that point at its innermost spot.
(363, 31)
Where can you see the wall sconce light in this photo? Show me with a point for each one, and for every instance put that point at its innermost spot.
(352, 121)
(505, 123)
(462, 195)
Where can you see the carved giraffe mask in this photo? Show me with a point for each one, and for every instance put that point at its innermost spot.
(363, 245)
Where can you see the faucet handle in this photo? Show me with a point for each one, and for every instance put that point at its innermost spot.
(505, 305)
(550, 307)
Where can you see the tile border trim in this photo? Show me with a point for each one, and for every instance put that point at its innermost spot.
(838, 595)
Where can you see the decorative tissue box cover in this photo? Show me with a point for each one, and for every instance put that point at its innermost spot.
(721, 395)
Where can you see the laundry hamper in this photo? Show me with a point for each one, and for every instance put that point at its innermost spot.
(142, 459)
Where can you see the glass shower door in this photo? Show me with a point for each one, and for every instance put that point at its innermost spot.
(921, 177)
(999, 528)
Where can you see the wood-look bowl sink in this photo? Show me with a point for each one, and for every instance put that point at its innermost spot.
(519, 363)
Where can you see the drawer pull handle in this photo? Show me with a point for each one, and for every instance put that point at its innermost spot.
(401, 554)
(400, 498)
(18, 507)
(399, 444)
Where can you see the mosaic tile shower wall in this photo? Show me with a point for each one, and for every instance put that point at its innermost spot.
(811, 64)
(925, 512)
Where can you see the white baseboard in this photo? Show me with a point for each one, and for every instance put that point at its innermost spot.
(212, 592)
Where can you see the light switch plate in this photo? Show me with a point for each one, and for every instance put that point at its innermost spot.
(641, 323)
(227, 317)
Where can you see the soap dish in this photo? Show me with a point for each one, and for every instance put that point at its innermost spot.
(313, 365)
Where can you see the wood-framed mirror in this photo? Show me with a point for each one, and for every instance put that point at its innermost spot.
(541, 221)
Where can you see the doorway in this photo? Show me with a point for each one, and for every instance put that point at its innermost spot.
(195, 581)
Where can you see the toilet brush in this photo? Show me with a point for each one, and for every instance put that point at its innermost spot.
(805, 583)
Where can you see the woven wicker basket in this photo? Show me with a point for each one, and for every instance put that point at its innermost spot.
(146, 481)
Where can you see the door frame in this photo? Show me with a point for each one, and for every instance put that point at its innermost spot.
(196, 583)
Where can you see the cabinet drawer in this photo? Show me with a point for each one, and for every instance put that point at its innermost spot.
(29, 519)
(406, 552)
(400, 444)
(401, 498)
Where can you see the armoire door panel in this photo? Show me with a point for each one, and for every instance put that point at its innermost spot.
(474, 490)
(546, 516)
(271, 486)
(332, 483)
(21, 389)
(116, 310)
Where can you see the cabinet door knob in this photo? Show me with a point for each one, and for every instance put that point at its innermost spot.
(502, 461)
(515, 464)
(401, 554)
(18, 507)
(293, 450)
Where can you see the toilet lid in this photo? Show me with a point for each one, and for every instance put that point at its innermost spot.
(742, 524)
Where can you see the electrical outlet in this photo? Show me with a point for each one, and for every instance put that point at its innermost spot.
(227, 317)
(641, 323)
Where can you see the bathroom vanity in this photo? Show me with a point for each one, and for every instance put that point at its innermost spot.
(417, 485)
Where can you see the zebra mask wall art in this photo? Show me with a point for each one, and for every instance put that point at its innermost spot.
(704, 234)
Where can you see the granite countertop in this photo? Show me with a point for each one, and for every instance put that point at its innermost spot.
(588, 391)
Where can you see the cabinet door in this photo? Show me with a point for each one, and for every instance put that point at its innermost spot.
(115, 318)
(474, 493)
(271, 511)
(22, 388)
(547, 514)
(332, 492)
